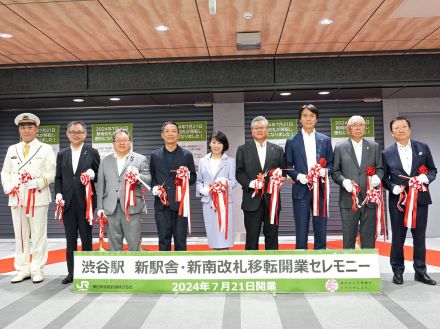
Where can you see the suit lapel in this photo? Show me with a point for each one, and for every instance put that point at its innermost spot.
(396, 156)
(69, 160)
(128, 161)
(319, 141)
(220, 166)
(82, 158)
(301, 148)
(254, 153)
(365, 153)
(350, 151)
(415, 155)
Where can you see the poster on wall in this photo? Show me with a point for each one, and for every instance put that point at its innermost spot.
(339, 129)
(50, 134)
(280, 130)
(193, 137)
(102, 136)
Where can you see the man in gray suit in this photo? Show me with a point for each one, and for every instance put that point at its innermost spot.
(351, 160)
(117, 182)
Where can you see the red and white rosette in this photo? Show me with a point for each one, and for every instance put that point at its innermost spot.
(260, 182)
(102, 220)
(59, 211)
(315, 183)
(30, 204)
(414, 187)
(86, 181)
(354, 196)
(376, 196)
(15, 193)
(129, 192)
(276, 179)
(219, 192)
(182, 193)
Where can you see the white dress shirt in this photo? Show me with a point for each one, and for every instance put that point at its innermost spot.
(75, 157)
(405, 153)
(357, 150)
(213, 165)
(310, 147)
(261, 149)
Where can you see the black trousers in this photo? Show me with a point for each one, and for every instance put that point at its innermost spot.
(253, 220)
(399, 235)
(74, 221)
(170, 225)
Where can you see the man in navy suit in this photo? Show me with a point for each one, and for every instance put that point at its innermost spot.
(163, 165)
(255, 157)
(303, 151)
(72, 161)
(413, 159)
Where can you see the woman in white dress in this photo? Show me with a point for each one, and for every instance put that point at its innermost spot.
(214, 167)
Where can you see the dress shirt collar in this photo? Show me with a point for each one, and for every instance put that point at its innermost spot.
(356, 144)
(78, 149)
(307, 134)
(260, 145)
(403, 147)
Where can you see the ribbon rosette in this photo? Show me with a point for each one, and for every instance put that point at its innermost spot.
(102, 220)
(162, 195)
(30, 204)
(219, 195)
(85, 180)
(182, 193)
(276, 179)
(260, 182)
(354, 196)
(376, 196)
(129, 196)
(423, 170)
(315, 182)
(59, 211)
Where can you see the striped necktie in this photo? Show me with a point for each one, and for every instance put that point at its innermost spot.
(26, 150)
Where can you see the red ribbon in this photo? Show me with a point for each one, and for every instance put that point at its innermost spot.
(376, 196)
(129, 196)
(30, 204)
(414, 187)
(354, 196)
(85, 180)
(274, 188)
(102, 222)
(59, 211)
(163, 195)
(15, 193)
(220, 201)
(260, 181)
(182, 193)
(315, 182)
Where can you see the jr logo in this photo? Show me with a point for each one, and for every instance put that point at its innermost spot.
(82, 286)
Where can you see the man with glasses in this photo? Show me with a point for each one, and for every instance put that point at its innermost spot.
(351, 160)
(120, 192)
(28, 169)
(73, 162)
(253, 158)
(305, 151)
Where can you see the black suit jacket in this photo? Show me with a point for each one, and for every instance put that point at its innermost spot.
(421, 155)
(248, 167)
(68, 183)
(160, 174)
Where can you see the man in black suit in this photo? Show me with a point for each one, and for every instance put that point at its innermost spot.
(72, 161)
(413, 159)
(164, 163)
(255, 157)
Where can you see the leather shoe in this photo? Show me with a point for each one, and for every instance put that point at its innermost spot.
(67, 279)
(424, 278)
(397, 278)
(20, 277)
(37, 277)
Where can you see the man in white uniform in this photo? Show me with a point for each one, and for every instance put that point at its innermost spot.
(28, 169)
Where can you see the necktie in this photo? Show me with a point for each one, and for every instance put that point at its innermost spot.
(26, 150)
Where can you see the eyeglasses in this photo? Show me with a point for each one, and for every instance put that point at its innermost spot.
(77, 133)
(259, 128)
(121, 141)
(357, 125)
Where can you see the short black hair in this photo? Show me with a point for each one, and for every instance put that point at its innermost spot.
(220, 137)
(312, 108)
(22, 124)
(170, 123)
(398, 119)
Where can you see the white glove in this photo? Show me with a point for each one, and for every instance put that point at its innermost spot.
(423, 179)
(155, 190)
(347, 185)
(7, 188)
(101, 213)
(256, 183)
(222, 180)
(322, 172)
(134, 170)
(58, 197)
(91, 174)
(375, 181)
(278, 171)
(204, 191)
(32, 184)
(302, 178)
(397, 190)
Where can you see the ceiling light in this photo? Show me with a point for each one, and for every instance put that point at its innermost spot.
(285, 93)
(161, 28)
(324, 92)
(6, 35)
(78, 100)
(114, 99)
(326, 21)
(248, 15)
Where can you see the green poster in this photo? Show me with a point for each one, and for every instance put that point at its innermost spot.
(102, 132)
(193, 131)
(339, 127)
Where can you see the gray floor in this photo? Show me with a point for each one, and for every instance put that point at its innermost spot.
(52, 305)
